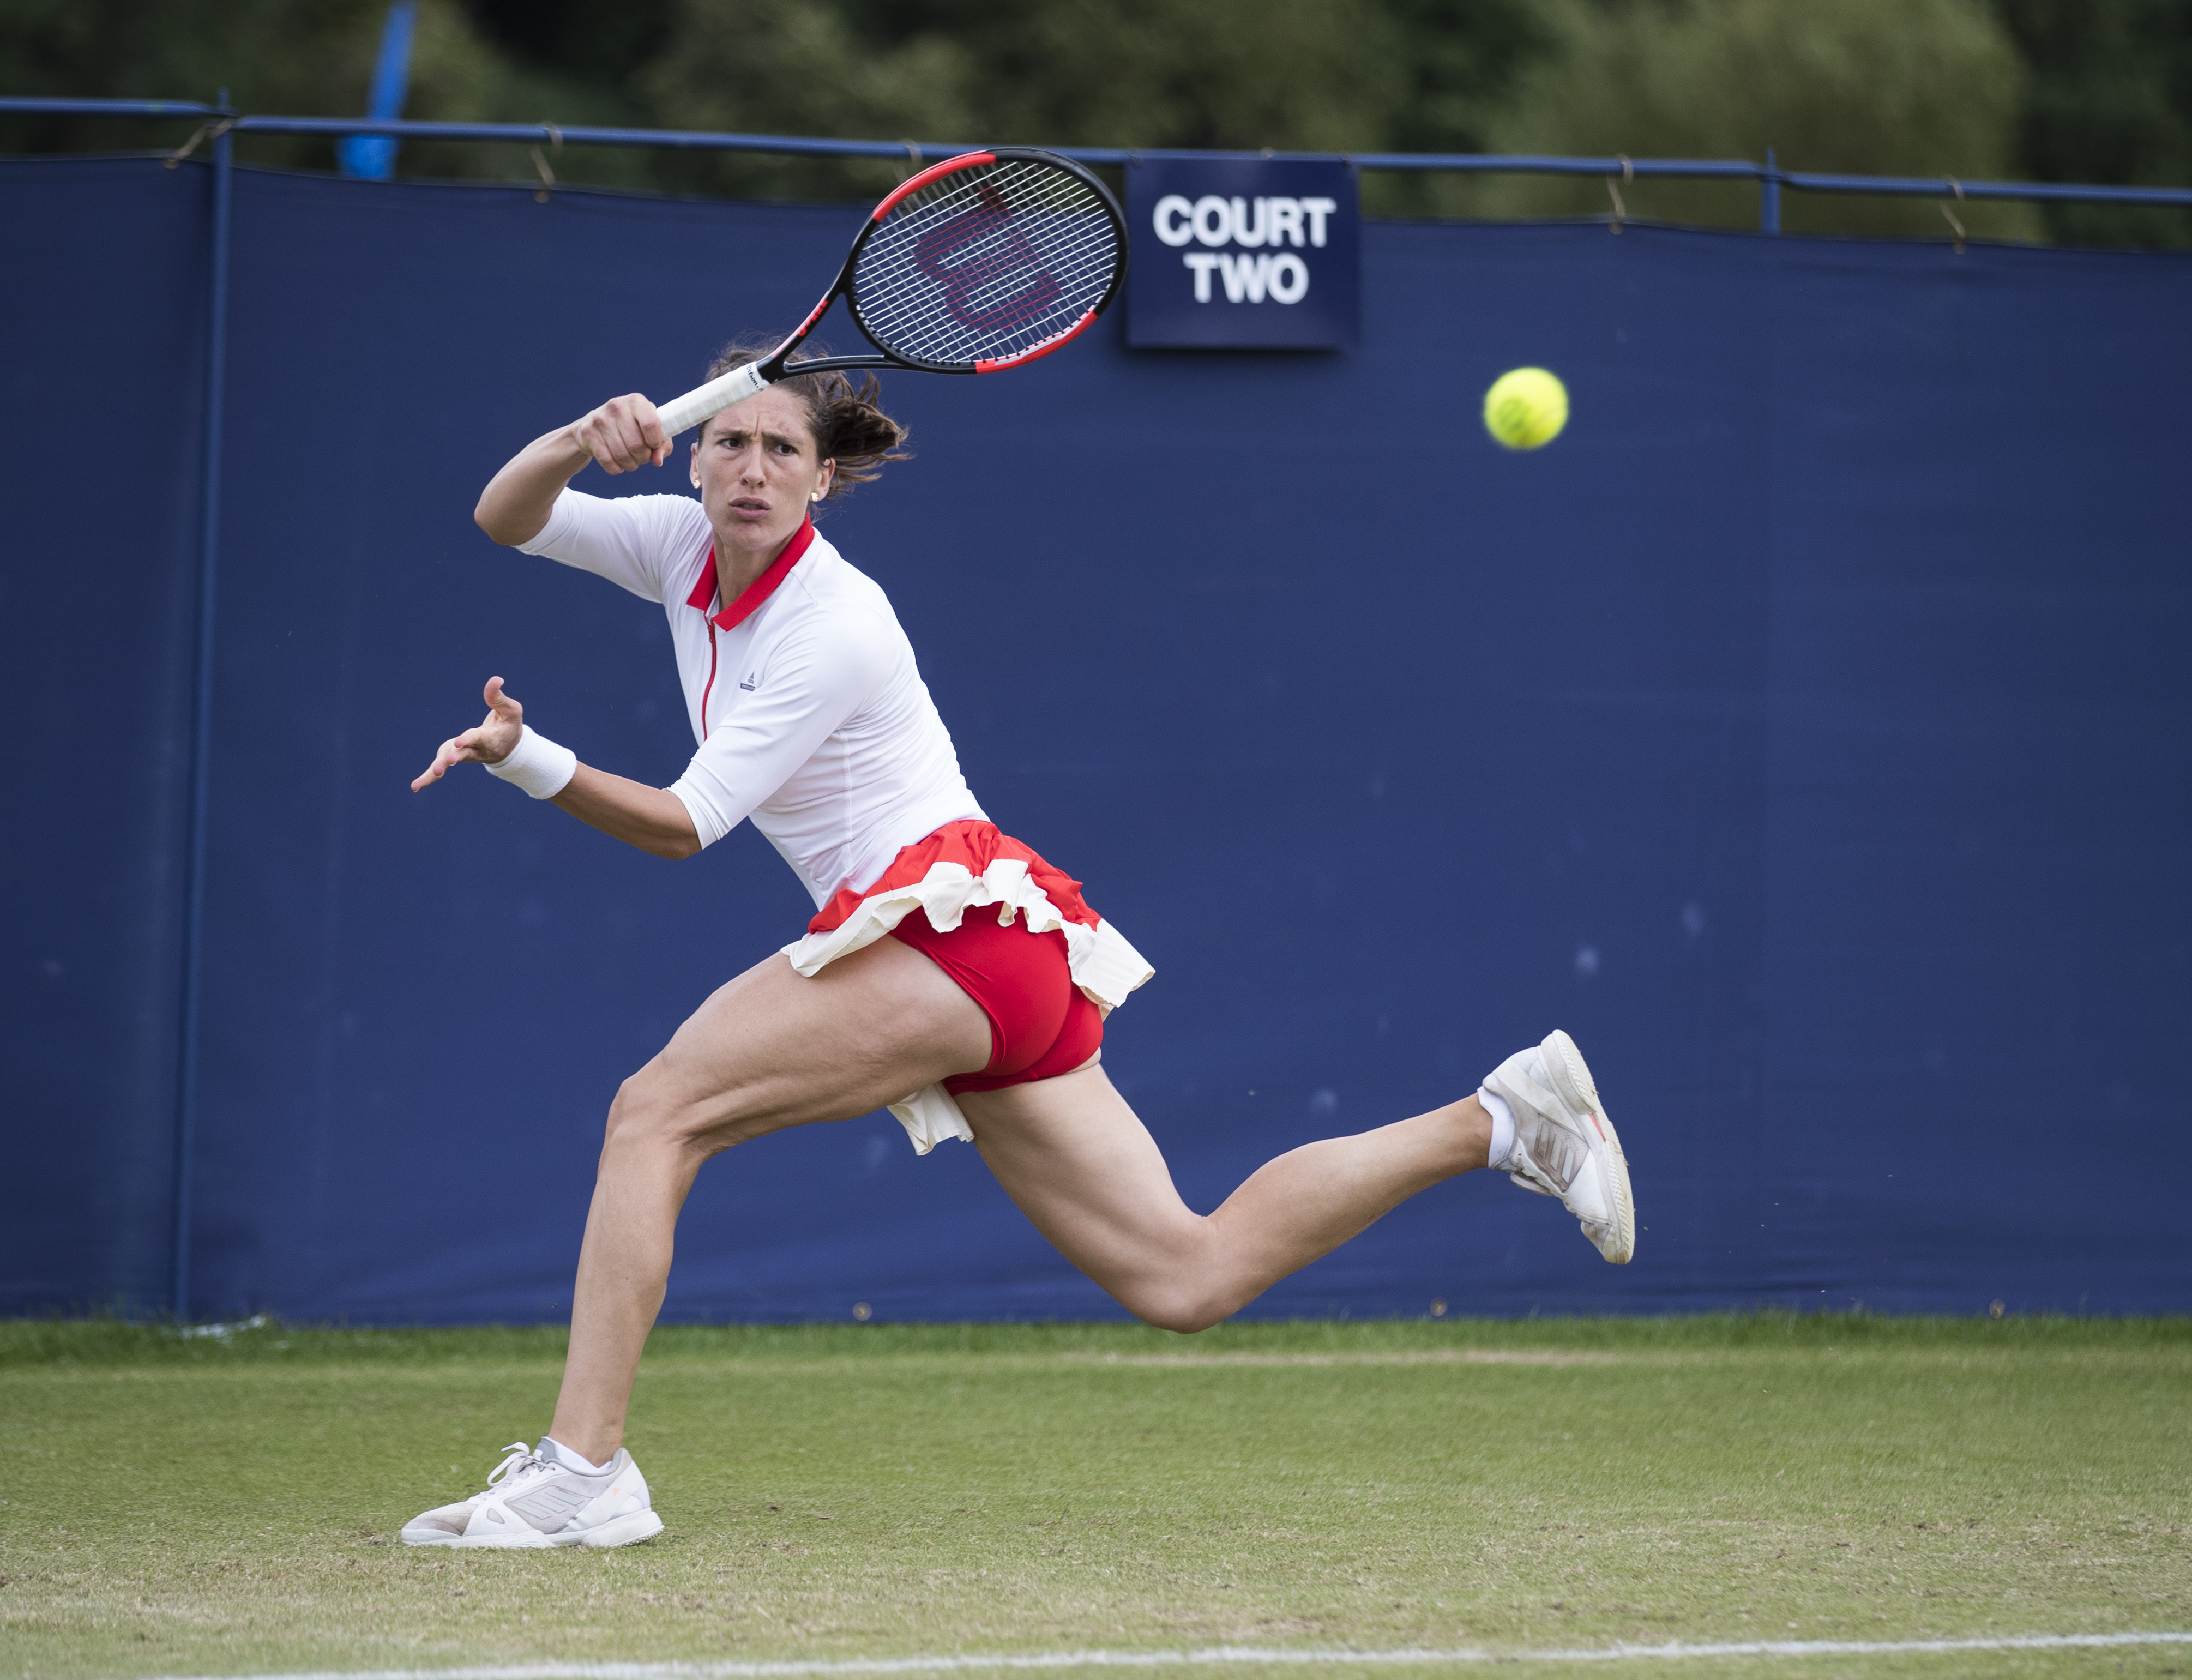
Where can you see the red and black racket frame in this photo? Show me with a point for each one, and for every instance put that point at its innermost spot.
(775, 368)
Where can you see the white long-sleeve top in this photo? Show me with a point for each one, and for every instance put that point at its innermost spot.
(811, 714)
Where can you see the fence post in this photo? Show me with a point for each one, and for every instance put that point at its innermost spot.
(201, 753)
(1769, 197)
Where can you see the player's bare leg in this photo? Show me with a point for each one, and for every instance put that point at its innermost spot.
(1087, 1173)
(769, 1050)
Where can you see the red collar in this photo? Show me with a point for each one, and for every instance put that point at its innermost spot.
(748, 602)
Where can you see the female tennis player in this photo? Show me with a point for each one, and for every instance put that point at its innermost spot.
(950, 973)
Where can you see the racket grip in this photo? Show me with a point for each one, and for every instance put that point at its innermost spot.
(680, 414)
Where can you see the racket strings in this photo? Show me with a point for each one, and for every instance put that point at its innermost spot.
(986, 264)
(990, 266)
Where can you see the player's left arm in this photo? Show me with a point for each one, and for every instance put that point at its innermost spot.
(653, 819)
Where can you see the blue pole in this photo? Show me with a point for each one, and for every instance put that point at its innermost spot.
(372, 156)
(1769, 196)
(201, 760)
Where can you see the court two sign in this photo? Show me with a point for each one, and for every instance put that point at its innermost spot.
(1257, 254)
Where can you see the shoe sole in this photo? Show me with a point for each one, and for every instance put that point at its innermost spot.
(627, 1530)
(640, 1525)
(1571, 1075)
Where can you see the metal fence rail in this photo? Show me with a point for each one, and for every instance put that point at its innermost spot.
(1770, 177)
(218, 124)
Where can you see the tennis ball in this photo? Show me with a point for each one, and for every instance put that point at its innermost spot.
(1526, 410)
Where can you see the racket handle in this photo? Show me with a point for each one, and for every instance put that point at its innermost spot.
(680, 414)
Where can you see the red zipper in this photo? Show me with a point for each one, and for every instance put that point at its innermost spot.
(710, 688)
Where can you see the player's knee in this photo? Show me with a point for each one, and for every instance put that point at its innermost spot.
(1185, 1310)
(642, 1114)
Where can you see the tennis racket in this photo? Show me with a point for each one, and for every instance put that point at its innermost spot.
(983, 262)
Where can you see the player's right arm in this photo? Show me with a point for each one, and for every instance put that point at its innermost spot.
(624, 434)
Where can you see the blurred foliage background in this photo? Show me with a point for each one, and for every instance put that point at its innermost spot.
(2085, 91)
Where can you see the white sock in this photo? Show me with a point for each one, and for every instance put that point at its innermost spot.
(1503, 1128)
(572, 1461)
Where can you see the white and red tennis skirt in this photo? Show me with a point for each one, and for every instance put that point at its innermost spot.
(1043, 967)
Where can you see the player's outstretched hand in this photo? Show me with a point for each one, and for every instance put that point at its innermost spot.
(624, 435)
(489, 744)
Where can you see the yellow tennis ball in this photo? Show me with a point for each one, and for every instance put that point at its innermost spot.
(1526, 410)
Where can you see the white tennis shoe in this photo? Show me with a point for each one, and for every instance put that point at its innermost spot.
(1564, 1144)
(540, 1499)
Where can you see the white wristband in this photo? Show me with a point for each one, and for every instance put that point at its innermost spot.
(538, 765)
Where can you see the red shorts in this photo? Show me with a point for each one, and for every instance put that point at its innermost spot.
(1041, 1024)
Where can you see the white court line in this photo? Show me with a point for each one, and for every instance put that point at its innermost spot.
(1219, 1654)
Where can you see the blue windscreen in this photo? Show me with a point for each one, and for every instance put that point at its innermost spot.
(1803, 730)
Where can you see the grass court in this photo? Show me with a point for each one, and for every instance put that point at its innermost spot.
(205, 1506)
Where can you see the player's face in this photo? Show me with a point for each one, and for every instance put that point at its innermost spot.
(758, 471)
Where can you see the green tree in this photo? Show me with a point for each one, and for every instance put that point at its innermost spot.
(2109, 99)
(294, 57)
(1288, 74)
(1864, 87)
(2051, 90)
